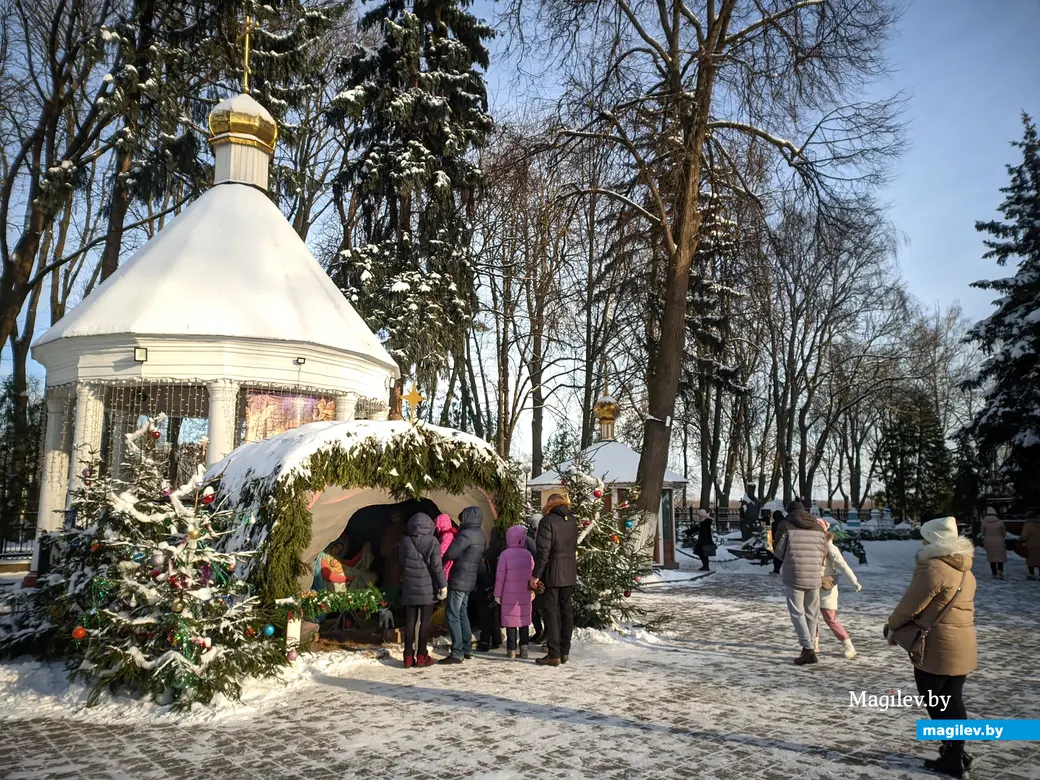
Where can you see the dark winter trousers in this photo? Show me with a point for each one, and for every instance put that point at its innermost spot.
(704, 560)
(511, 636)
(945, 685)
(996, 567)
(1031, 570)
(777, 563)
(559, 620)
(422, 615)
(537, 613)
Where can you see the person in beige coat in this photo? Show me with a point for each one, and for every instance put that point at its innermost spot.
(1030, 539)
(993, 535)
(941, 601)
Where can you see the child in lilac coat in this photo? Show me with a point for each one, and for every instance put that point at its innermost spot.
(446, 531)
(515, 566)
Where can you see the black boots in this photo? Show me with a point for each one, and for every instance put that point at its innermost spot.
(807, 657)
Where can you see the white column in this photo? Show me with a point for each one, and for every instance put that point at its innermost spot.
(86, 433)
(223, 411)
(346, 406)
(55, 470)
(122, 424)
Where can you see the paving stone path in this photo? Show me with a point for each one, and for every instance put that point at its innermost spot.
(715, 697)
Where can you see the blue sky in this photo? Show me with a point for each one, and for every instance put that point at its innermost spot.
(970, 68)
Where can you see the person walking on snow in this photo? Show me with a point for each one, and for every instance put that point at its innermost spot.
(994, 533)
(1030, 540)
(941, 601)
(512, 591)
(803, 549)
(422, 585)
(465, 551)
(705, 546)
(834, 564)
(556, 569)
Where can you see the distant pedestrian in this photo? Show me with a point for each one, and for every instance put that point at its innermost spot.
(834, 565)
(777, 532)
(513, 592)
(1030, 541)
(803, 550)
(556, 570)
(994, 534)
(939, 605)
(705, 545)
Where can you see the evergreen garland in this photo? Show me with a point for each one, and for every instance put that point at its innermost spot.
(422, 457)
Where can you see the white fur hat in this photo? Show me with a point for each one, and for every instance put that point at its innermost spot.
(939, 530)
(991, 511)
(702, 513)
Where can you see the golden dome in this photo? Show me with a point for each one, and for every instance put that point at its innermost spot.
(241, 120)
(606, 408)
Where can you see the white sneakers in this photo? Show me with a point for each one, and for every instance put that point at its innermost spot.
(850, 651)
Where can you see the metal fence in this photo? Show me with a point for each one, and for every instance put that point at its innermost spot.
(17, 539)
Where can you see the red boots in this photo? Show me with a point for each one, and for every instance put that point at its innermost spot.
(408, 660)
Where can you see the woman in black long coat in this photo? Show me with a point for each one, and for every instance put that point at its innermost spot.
(705, 545)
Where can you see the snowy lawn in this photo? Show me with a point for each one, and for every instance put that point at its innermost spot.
(714, 695)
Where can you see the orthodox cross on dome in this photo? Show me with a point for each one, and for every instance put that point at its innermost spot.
(414, 398)
(247, 32)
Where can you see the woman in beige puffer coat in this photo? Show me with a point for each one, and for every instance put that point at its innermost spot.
(993, 534)
(941, 601)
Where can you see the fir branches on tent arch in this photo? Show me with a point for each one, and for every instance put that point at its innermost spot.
(407, 466)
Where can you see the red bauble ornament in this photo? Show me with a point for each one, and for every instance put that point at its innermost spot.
(597, 493)
(156, 434)
(615, 539)
(628, 594)
(586, 523)
(79, 633)
(563, 482)
(208, 499)
(250, 631)
(156, 572)
(95, 547)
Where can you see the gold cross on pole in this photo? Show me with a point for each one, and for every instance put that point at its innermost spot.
(247, 32)
(414, 398)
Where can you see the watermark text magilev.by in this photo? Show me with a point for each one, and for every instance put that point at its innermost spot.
(896, 699)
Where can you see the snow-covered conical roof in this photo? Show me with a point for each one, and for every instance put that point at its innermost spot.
(228, 268)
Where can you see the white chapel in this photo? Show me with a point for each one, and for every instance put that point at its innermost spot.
(224, 326)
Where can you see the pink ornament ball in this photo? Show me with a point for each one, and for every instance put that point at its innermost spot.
(291, 655)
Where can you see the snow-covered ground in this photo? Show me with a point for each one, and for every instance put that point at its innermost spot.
(712, 695)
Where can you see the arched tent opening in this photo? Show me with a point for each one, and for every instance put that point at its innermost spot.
(296, 493)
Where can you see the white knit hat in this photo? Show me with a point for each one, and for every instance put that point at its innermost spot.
(939, 530)
(702, 513)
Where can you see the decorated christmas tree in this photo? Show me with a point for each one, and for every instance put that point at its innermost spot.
(138, 599)
(610, 561)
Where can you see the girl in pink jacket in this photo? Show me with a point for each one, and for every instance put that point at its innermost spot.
(515, 566)
(446, 531)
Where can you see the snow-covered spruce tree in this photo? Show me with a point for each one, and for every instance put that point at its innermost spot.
(611, 563)
(1010, 336)
(138, 600)
(420, 104)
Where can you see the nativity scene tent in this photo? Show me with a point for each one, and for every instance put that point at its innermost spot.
(354, 482)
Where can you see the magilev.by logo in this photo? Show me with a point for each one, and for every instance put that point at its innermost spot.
(895, 698)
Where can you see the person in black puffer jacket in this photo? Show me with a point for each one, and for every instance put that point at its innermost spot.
(466, 552)
(556, 568)
(538, 605)
(422, 586)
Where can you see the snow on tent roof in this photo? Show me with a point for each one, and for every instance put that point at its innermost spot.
(611, 461)
(229, 265)
(286, 455)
